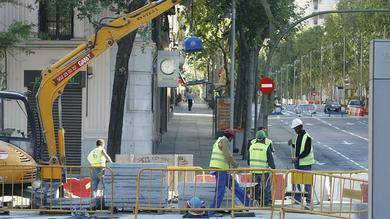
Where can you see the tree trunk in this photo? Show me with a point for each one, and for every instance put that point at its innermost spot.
(225, 66)
(125, 46)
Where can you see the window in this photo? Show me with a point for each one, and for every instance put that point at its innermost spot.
(55, 20)
(315, 4)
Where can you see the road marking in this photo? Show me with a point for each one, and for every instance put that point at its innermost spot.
(350, 123)
(308, 124)
(319, 163)
(362, 123)
(347, 143)
(335, 127)
(345, 157)
(342, 155)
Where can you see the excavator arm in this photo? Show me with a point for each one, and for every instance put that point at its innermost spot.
(57, 76)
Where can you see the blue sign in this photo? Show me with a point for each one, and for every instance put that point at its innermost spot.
(193, 44)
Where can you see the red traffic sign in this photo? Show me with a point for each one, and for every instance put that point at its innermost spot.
(266, 85)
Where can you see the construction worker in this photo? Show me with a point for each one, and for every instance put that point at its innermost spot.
(260, 156)
(221, 158)
(304, 156)
(268, 141)
(97, 158)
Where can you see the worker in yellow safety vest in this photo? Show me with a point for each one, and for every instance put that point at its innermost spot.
(260, 156)
(97, 158)
(303, 158)
(221, 158)
(268, 141)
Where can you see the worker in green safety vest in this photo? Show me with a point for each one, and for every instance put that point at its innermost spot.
(222, 159)
(268, 141)
(260, 156)
(303, 158)
(97, 158)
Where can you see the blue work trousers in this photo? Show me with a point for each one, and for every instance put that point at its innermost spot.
(263, 189)
(223, 180)
(298, 196)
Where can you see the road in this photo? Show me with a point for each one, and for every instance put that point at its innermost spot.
(340, 142)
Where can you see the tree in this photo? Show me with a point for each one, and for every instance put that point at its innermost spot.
(209, 20)
(254, 21)
(341, 32)
(9, 39)
(213, 23)
(89, 9)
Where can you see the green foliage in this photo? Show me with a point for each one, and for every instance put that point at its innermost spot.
(16, 32)
(355, 29)
(211, 22)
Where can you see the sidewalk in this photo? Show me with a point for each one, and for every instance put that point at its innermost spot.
(190, 132)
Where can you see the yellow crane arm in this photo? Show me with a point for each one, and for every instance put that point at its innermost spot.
(57, 76)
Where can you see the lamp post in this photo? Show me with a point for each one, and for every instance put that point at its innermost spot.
(294, 85)
(232, 91)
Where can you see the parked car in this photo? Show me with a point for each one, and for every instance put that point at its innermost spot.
(355, 104)
(306, 109)
(332, 106)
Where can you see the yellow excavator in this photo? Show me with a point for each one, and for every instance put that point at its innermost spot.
(54, 80)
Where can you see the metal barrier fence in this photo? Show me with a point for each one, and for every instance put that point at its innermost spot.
(22, 188)
(324, 194)
(246, 191)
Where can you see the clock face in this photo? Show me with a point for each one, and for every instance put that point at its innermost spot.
(167, 66)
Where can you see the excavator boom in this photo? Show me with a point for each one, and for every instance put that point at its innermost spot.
(57, 76)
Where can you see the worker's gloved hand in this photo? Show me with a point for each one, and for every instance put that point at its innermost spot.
(290, 142)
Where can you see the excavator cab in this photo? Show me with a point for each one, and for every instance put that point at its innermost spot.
(18, 140)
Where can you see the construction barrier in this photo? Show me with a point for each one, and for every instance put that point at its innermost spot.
(356, 111)
(245, 191)
(324, 194)
(23, 188)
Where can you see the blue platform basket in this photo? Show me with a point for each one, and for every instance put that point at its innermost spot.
(193, 44)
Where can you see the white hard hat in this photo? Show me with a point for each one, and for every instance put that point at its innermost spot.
(296, 122)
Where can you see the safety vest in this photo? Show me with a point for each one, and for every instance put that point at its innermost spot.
(309, 159)
(96, 158)
(258, 156)
(268, 141)
(217, 159)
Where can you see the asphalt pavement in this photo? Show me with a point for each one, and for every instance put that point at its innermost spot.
(340, 142)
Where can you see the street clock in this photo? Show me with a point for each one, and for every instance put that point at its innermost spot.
(168, 66)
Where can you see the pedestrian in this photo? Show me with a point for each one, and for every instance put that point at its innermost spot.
(97, 158)
(260, 156)
(221, 158)
(190, 100)
(303, 159)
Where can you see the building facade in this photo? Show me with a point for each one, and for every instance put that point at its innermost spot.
(87, 98)
(312, 6)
